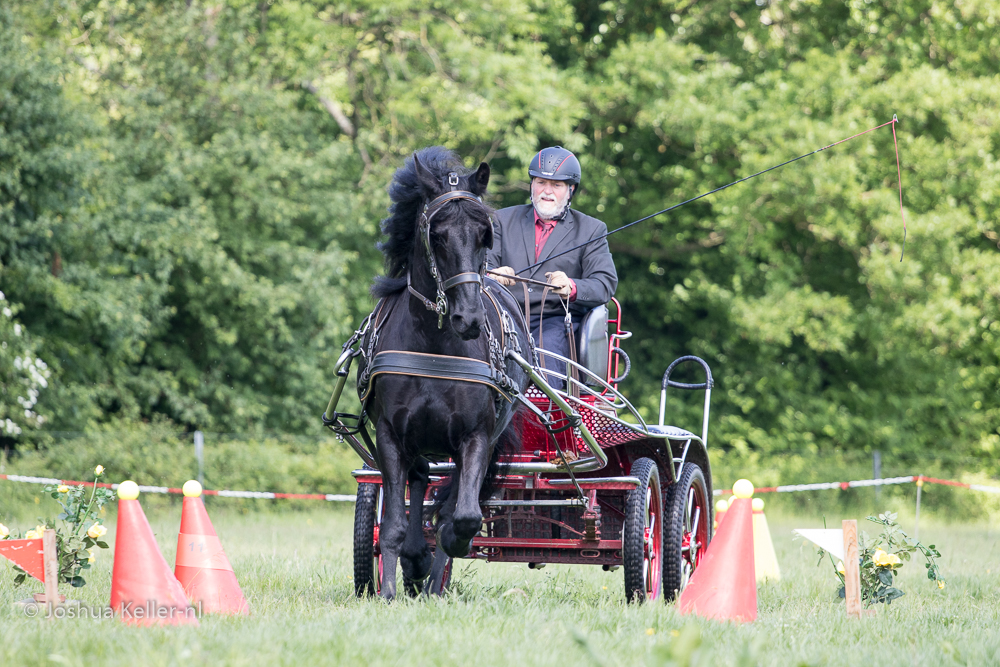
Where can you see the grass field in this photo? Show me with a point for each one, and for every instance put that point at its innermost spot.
(295, 569)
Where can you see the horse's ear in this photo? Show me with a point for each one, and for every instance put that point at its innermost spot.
(479, 180)
(427, 181)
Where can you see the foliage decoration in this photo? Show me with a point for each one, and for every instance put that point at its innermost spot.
(79, 528)
(881, 558)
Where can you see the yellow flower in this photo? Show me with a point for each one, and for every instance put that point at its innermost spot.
(92, 556)
(883, 559)
(98, 471)
(97, 531)
(940, 584)
(31, 535)
(63, 488)
(40, 529)
(840, 566)
(4, 532)
(650, 631)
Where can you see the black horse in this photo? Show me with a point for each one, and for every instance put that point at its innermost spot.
(436, 300)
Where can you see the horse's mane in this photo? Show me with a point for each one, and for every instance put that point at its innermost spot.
(400, 227)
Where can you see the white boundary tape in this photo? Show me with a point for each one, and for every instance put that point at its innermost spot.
(257, 495)
(350, 498)
(882, 481)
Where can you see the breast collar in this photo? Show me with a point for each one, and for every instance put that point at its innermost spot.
(441, 366)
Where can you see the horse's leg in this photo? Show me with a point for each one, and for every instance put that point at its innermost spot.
(445, 533)
(434, 582)
(415, 557)
(467, 520)
(393, 527)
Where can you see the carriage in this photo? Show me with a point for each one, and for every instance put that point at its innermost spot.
(591, 482)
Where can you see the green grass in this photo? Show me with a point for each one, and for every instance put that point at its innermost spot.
(295, 569)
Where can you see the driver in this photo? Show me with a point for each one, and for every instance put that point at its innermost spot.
(524, 235)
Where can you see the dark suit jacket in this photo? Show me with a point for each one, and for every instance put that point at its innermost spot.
(591, 267)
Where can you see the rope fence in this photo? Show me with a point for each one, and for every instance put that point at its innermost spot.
(223, 493)
(919, 480)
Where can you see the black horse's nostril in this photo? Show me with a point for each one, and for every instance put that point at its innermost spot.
(467, 329)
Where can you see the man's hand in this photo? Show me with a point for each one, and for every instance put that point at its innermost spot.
(505, 270)
(561, 281)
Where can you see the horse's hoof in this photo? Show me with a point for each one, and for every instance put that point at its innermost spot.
(413, 587)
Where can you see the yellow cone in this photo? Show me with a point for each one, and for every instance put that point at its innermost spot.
(764, 559)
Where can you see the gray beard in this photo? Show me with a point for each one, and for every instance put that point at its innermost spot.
(558, 216)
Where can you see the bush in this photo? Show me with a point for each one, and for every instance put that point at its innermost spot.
(157, 454)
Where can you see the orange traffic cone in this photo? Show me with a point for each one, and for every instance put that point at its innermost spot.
(143, 589)
(202, 566)
(721, 508)
(764, 559)
(723, 586)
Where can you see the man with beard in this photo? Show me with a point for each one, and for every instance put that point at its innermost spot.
(524, 235)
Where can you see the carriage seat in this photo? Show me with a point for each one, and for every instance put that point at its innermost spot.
(592, 343)
(672, 432)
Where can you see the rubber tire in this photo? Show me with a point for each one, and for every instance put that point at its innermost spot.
(366, 562)
(677, 570)
(634, 552)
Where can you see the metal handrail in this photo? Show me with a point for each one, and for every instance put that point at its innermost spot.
(706, 385)
(619, 401)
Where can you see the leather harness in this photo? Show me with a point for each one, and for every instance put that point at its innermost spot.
(432, 208)
(445, 367)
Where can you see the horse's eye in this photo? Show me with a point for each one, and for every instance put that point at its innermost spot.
(439, 240)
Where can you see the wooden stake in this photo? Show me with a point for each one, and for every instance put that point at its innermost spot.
(50, 560)
(852, 571)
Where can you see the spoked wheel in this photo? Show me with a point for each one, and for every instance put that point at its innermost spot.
(367, 556)
(642, 543)
(688, 529)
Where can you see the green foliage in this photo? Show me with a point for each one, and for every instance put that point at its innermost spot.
(23, 375)
(157, 455)
(190, 194)
(79, 529)
(879, 566)
(197, 273)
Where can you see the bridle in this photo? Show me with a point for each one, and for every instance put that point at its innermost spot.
(432, 208)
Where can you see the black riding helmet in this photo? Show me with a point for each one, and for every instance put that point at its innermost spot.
(555, 164)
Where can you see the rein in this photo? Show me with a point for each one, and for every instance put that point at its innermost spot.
(432, 208)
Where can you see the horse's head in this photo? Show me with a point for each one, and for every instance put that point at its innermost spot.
(455, 231)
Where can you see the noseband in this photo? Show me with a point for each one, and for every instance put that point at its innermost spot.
(432, 208)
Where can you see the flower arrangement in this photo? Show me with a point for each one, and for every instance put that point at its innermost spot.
(881, 558)
(79, 529)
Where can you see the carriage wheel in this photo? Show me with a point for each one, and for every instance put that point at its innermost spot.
(367, 556)
(688, 529)
(642, 540)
